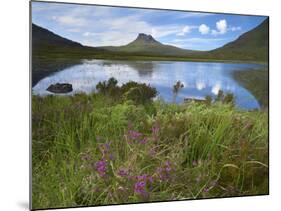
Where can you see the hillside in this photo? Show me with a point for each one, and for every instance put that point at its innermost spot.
(146, 45)
(252, 45)
(42, 37)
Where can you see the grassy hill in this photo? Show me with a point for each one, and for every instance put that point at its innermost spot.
(252, 45)
(146, 45)
(44, 38)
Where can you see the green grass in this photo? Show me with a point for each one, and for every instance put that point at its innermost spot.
(256, 81)
(211, 151)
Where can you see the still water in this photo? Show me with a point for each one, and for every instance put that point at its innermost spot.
(199, 78)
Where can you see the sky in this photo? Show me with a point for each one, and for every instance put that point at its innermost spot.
(93, 25)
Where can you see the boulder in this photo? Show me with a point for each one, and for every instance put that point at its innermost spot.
(60, 88)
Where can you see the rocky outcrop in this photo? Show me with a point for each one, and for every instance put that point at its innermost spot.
(60, 88)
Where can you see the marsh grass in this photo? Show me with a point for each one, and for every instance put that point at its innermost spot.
(149, 152)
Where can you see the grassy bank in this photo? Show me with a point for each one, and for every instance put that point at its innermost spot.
(96, 149)
(256, 81)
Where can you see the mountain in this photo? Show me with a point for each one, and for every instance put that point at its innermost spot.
(44, 38)
(146, 45)
(252, 45)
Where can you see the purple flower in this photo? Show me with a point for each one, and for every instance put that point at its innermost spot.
(143, 141)
(140, 188)
(101, 167)
(144, 177)
(123, 172)
(161, 173)
(164, 171)
(143, 182)
(168, 166)
(134, 135)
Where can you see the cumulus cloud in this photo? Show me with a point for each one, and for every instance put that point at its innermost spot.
(204, 29)
(222, 28)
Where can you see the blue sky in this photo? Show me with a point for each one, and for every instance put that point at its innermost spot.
(102, 26)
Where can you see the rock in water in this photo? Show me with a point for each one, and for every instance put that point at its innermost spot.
(60, 88)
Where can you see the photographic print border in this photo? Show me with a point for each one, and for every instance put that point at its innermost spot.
(129, 7)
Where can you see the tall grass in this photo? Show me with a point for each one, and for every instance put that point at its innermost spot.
(95, 150)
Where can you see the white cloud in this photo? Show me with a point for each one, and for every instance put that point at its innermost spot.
(204, 29)
(186, 29)
(222, 26)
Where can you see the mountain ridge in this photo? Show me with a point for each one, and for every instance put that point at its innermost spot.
(42, 36)
(146, 44)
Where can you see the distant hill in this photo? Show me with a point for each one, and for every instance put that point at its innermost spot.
(252, 45)
(42, 37)
(146, 45)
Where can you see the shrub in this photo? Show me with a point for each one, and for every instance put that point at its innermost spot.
(108, 87)
(227, 98)
(140, 94)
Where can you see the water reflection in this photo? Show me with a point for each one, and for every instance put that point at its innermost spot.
(199, 78)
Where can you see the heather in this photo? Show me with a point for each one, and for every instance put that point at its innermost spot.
(118, 145)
